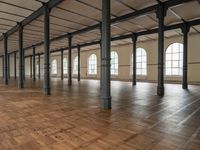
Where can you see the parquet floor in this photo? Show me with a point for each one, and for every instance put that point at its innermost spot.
(71, 119)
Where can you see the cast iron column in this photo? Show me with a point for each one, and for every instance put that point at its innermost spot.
(3, 66)
(100, 56)
(79, 63)
(134, 39)
(61, 65)
(161, 13)
(38, 66)
(47, 90)
(185, 29)
(5, 59)
(8, 66)
(34, 73)
(15, 65)
(69, 59)
(21, 59)
(105, 58)
(31, 65)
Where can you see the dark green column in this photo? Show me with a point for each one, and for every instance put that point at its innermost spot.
(105, 57)
(5, 38)
(47, 89)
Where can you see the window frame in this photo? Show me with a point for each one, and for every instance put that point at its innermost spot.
(92, 62)
(54, 69)
(171, 58)
(142, 63)
(115, 69)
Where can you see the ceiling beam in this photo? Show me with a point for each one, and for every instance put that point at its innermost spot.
(123, 37)
(33, 16)
(168, 4)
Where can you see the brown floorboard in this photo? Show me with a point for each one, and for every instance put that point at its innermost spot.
(71, 119)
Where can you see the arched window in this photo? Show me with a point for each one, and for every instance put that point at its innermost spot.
(65, 66)
(141, 61)
(75, 65)
(54, 67)
(174, 59)
(114, 63)
(92, 64)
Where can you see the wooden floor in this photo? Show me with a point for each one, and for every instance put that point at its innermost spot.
(71, 119)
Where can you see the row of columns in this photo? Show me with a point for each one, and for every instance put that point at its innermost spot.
(161, 13)
(105, 92)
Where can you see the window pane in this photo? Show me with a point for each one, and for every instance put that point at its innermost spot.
(174, 59)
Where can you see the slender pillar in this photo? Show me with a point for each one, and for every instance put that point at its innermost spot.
(31, 66)
(61, 65)
(105, 58)
(39, 66)
(15, 65)
(100, 56)
(161, 13)
(8, 66)
(3, 66)
(134, 39)
(23, 65)
(47, 89)
(79, 63)
(185, 29)
(5, 59)
(34, 72)
(21, 59)
(69, 60)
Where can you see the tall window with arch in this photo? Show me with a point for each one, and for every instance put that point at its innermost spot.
(92, 65)
(65, 66)
(114, 63)
(141, 62)
(54, 66)
(174, 60)
(75, 65)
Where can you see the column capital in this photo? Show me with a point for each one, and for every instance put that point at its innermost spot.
(69, 36)
(134, 37)
(161, 10)
(4, 35)
(185, 27)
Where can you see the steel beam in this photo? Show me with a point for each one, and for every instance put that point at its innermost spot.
(134, 40)
(39, 12)
(69, 59)
(169, 3)
(105, 58)
(5, 59)
(185, 30)
(161, 13)
(21, 58)
(47, 90)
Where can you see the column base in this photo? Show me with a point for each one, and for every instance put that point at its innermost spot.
(185, 86)
(160, 91)
(47, 91)
(133, 83)
(21, 87)
(105, 103)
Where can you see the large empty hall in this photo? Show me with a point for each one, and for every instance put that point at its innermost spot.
(99, 74)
